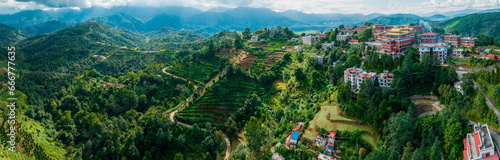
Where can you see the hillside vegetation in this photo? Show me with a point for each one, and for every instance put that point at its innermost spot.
(474, 24)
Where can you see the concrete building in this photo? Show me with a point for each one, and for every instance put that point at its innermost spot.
(397, 41)
(309, 39)
(350, 74)
(452, 39)
(458, 41)
(294, 39)
(458, 87)
(294, 140)
(468, 41)
(478, 145)
(428, 38)
(458, 53)
(297, 49)
(327, 45)
(438, 50)
(254, 39)
(363, 77)
(343, 36)
(385, 79)
(320, 58)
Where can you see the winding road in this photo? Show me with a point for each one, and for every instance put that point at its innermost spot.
(210, 83)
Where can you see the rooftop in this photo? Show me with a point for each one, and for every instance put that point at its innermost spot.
(429, 34)
(295, 135)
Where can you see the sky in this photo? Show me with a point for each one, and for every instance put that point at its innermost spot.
(418, 7)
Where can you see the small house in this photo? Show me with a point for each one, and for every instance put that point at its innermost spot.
(294, 140)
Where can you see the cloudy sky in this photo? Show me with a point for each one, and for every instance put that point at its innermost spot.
(308, 6)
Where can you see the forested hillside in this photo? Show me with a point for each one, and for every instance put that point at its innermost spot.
(474, 24)
(10, 35)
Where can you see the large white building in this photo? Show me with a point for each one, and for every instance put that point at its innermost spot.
(438, 50)
(478, 145)
(309, 39)
(385, 79)
(320, 58)
(342, 36)
(327, 45)
(358, 76)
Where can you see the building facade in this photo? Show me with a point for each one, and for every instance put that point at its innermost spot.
(438, 50)
(458, 53)
(397, 41)
(428, 38)
(385, 79)
(458, 41)
(327, 45)
(479, 145)
(320, 58)
(309, 39)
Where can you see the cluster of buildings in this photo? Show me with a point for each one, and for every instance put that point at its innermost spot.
(109, 84)
(293, 139)
(458, 41)
(478, 145)
(328, 142)
(358, 76)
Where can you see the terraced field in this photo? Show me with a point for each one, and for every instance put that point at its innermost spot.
(200, 71)
(225, 98)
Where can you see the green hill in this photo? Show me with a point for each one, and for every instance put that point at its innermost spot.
(70, 45)
(169, 38)
(474, 24)
(10, 35)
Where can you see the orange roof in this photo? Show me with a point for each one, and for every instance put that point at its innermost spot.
(332, 134)
(369, 76)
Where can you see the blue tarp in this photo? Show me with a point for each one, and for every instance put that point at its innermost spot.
(295, 135)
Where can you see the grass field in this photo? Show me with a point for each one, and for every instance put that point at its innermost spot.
(225, 98)
(341, 123)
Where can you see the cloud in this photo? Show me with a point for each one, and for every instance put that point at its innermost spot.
(79, 3)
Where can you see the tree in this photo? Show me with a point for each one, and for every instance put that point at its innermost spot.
(231, 127)
(179, 156)
(208, 144)
(407, 151)
(496, 93)
(181, 141)
(376, 155)
(398, 131)
(255, 133)
(436, 150)
(238, 43)
(353, 60)
(316, 79)
(246, 33)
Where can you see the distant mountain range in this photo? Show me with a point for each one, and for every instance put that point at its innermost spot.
(147, 19)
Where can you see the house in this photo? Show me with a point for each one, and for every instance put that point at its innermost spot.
(338, 63)
(487, 50)
(350, 74)
(283, 47)
(385, 79)
(428, 37)
(478, 145)
(438, 50)
(309, 39)
(458, 53)
(492, 56)
(363, 77)
(297, 49)
(320, 58)
(331, 141)
(100, 57)
(320, 141)
(458, 87)
(322, 35)
(294, 39)
(360, 29)
(254, 39)
(108, 84)
(353, 41)
(327, 45)
(294, 140)
(343, 36)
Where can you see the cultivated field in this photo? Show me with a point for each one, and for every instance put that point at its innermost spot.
(336, 122)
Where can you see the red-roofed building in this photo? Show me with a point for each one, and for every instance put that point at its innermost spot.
(360, 29)
(396, 41)
(323, 35)
(385, 79)
(428, 37)
(331, 140)
(364, 76)
(478, 145)
(492, 56)
(353, 41)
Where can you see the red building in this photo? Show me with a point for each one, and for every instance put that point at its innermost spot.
(456, 40)
(468, 41)
(428, 38)
(397, 41)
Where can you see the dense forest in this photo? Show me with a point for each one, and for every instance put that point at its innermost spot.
(474, 24)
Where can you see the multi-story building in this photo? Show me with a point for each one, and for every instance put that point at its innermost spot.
(397, 41)
(428, 38)
(385, 79)
(363, 77)
(350, 74)
(458, 41)
(468, 41)
(438, 50)
(320, 58)
(360, 29)
(327, 45)
(458, 53)
(452, 39)
(343, 36)
(478, 145)
(309, 39)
